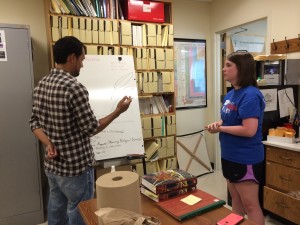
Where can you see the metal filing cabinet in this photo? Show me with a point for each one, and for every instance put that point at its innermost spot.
(20, 186)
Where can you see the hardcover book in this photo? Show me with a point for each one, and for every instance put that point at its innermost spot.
(169, 180)
(182, 209)
(166, 195)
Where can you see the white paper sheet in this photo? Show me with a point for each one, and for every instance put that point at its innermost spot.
(249, 43)
(270, 96)
(3, 52)
(286, 102)
(191, 200)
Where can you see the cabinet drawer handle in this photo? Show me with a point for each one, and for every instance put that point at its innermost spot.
(285, 178)
(282, 205)
(285, 158)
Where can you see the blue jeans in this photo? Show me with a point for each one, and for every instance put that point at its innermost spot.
(65, 195)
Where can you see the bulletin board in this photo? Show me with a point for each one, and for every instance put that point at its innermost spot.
(190, 73)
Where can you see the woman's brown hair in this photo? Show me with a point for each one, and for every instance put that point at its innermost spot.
(245, 65)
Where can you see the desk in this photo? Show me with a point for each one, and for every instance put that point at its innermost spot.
(87, 210)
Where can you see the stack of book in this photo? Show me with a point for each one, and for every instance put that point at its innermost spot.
(167, 184)
(93, 8)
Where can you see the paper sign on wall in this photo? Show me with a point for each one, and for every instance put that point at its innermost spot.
(249, 43)
(286, 102)
(3, 53)
(270, 96)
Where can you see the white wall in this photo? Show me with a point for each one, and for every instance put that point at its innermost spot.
(192, 21)
(29, 12)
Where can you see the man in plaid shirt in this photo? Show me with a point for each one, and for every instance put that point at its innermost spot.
(63, 121)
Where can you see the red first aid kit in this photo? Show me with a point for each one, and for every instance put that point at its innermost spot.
(149, 11)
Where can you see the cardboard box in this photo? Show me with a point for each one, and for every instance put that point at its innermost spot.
(150, 11)
(281, 139)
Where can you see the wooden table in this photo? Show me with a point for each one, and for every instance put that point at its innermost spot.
(87, 210)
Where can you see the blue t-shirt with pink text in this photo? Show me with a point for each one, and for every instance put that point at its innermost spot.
(247, 102)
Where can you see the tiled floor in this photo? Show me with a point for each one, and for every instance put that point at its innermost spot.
(215, 184)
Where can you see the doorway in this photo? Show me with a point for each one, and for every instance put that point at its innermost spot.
(223, 47)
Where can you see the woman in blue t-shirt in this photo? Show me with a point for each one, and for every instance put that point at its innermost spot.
(241, 135)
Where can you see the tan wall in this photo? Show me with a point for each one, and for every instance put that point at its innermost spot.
(195, 20)
(283, 20)
(29, 12)
(283, 17)
(192, 21)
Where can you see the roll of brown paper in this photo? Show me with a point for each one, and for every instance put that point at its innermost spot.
(119, 189)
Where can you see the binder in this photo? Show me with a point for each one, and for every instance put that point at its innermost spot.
(108, 39)
(165, 36)
(64, 32)
(158, 35)
(101, 32)
(95, 24)
(88, 36)
(88, 24)
(115, 32)
(117, 51)
(100, 50)
(105, 50)
(151, 148)
(162, 150)
(55, 21)
(64, 22)
(126, 33)
(151, 60)
(171, 36)
(169, 54)
(82, 25)
(144, 59)
(82, 35)
(91, 50)
(171, 125)
(75, 22)
(160, 58)
(146, 125)
(151, 35)
(144, 35)
(170, 146)
(76, 33)
(166, 81)
(55, 34)
(95, 37)
(138, 58)
(156, 122)
(145, 77)
(140, 80)
(124, 51)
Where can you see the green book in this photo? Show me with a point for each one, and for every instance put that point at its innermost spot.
(185, 206)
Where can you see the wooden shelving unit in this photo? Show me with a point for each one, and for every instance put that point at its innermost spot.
(59, 25)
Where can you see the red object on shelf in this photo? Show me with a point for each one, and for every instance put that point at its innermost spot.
(149, 11)
(288, 125)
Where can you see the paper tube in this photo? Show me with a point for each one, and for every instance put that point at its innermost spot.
(119, 190)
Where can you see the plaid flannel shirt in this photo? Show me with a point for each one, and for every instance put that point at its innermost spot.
(61, 108)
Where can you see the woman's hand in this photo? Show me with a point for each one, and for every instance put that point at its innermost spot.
(214, 128)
